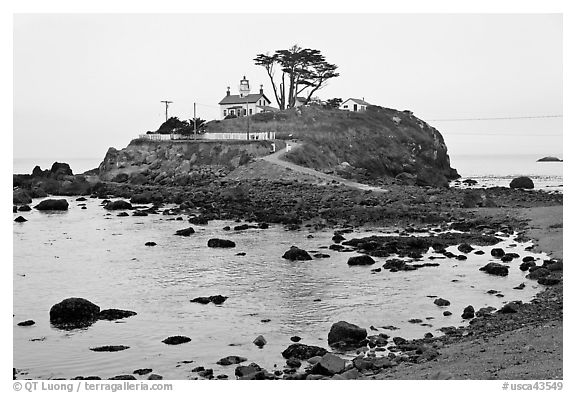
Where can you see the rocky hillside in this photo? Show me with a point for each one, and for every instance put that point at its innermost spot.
(177, 163)
(376, 144)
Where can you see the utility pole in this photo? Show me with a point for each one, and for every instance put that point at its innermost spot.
(194, 120)
(247, 121)
(166, 102)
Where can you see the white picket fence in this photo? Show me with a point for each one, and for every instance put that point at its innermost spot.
(262, 136)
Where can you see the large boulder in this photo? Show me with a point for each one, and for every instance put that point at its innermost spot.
(496, 269)
(118, 205)
(330, 364)
(296, 254)
(346, 333)
(52, 204)
(522, 182)
(74, 311)
(221, 243)
(361, 260)
(60, 169)
(303, 351)
(468, 312)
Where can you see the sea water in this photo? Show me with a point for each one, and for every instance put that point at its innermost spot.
(95, 254)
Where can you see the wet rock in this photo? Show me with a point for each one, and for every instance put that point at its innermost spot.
(216, 299)
(20, 219)
(150, 244)
(293, 363)
(52, 204)
(497, 252)
(461, 257)
(320, 255)
(337, 238)
(110, 348)
(228, 360)
(24, 208)
(222, 376)
(521, 286)
(250, 372)
(81, 199)
(185, 232)
(522, 182)
(330, 364)
(142, 371)
(123, 214)
(260, 341)
(538, 273)
(198, 220)
(465, 248)
(154, 377)
(208, 373)
(548, 281)
(441, 302)
(446, 313)
(295, 339)
(303, 352)
(346, 333)
(468, 312)
(527, 265)
(139, 213)
(296, 254)
(114, 314)
(509, 308)
(176, 340)
(26, 323)
(197, 369)
(496, 269)
(74, 311)
(479, 252)
(415, 320)
(221, 243)
(122, 377)
(528, 258)
(361, 260)
(118, 205)
(201, 300)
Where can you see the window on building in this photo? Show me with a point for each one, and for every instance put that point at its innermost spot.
(250, 110)
(224, 112)
(244, 112)
(345, 106)
(232, 112)
(355, 107)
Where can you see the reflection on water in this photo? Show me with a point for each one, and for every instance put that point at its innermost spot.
(100, 257)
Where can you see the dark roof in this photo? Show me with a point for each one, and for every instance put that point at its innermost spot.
(358, 101)
(236, 99)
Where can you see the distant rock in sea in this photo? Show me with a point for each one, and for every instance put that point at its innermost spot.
(549, 159)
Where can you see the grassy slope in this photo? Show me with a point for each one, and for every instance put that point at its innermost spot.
(371, 140)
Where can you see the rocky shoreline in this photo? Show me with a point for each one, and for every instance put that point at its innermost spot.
(477, 213)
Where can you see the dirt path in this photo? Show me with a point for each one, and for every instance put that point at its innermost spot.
(276, 158)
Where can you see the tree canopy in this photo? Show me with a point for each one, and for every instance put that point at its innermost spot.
(301, 69)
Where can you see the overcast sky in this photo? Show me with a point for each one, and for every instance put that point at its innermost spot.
(85, 82)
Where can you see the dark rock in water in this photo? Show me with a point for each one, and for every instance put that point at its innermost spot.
(226, 228)
(468, 312)
(24, 208)
(441, 302)
(293, 362)
(399, 340)
(538, 274)
(216, 299)
(337, 238)
(81, 199)
(549, 159)
(110, 348)
(415, 320)
(507, 258)
(320, 255)
(185, 232)
(154, 377)
(197, 369)
(528, 258)
(74, 311)
(361, 260)
(521, 286)
(522, 182)
(303, 352)
(446, 313)
(20, 219)
(527, 265)
(252, 371)
(228, 360)
(139, 213)
(26, 323)
(118, 205)
(497, 252)
(509, 308)
(469, 182)
(479, 252)
(113, 314)
(208, 373)
(175, 340)
(150, 244)
(461, 257)
(241, 254)
(52, 204)
(330, 364)
(347, 333)
(201, 300)
(495, 269)
(123, 214)
(21, 197)
(549, 281)
(465, 248)
(221, 243)
(122, 377)
(296, 254)
(485, 311)
(142, 371)
(295, 339)
(260, 341)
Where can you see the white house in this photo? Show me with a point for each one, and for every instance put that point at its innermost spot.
(244, 103)
(354, 105)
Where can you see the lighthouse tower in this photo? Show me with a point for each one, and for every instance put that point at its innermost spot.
(244, 87)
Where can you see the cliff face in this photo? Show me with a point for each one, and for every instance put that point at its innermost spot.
(177, 163)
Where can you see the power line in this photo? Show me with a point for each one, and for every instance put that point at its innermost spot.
(502, 118)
